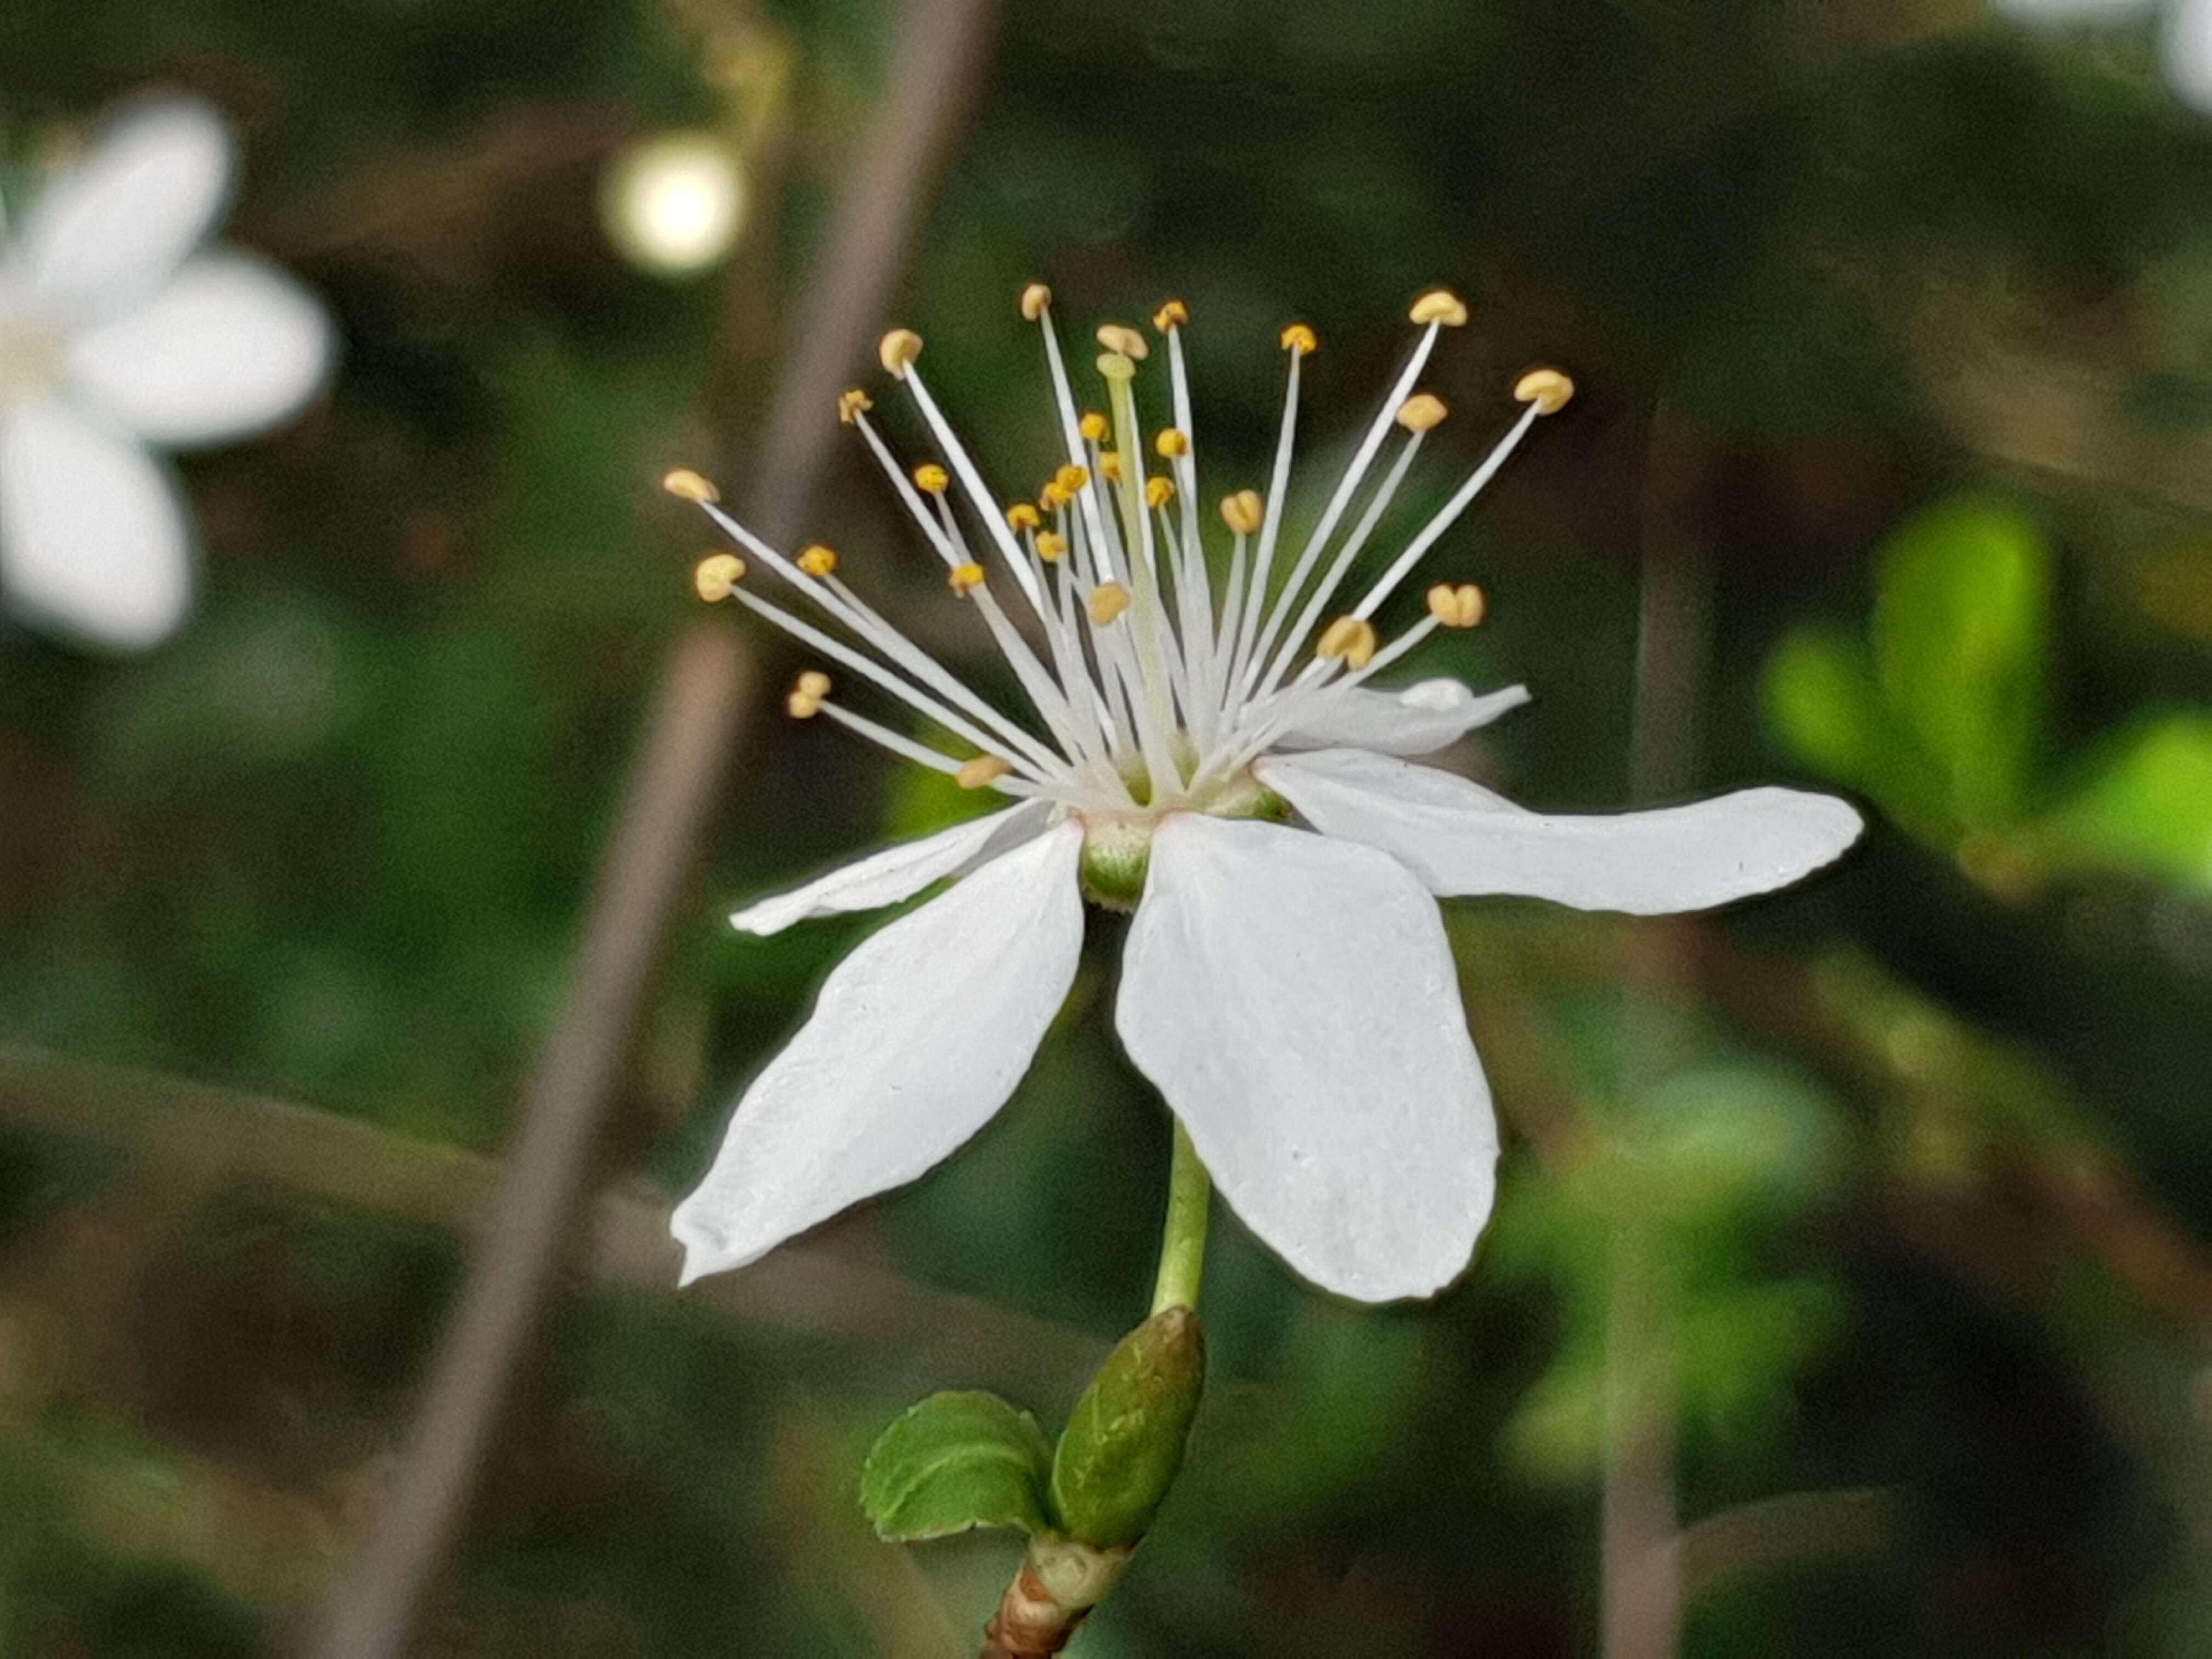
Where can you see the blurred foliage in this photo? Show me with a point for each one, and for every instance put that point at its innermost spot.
(1901, 321)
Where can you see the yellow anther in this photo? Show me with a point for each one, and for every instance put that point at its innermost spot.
(688, 486)
(1172, 443)
(1071, 478)
(807, 695)
(1022, 516)
(1096, 427)
(1298, 337)
(717, 574)
(1037, 300)
(1158, 492)
(1352, 638)
(1244, 511)
(962, 578)
(1118, 337)
(1109, 466)
(1052, 546)
(817, 560)
(1422, 412)
(851, 405)
(1442, 305)
(898, 349)
(982, 772)
(1117, 368)
(1051, 497)
(932, 479)
(1170, 315)
(1107, 601)
(1547, 388)
(1462, 606)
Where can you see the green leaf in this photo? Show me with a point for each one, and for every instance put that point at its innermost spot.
(2146, 805)
(1961, 627)
(955, 1461)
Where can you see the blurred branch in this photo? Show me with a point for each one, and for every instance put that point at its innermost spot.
(1807, 1526)
(2079, 423)
(213, 1136)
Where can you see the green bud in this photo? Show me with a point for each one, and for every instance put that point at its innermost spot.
(1117, 854)
(1125, 1439)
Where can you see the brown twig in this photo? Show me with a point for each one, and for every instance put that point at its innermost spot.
(691, 732)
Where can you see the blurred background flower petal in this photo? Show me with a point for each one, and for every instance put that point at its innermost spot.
(93, 538)
(230, 346)
(111, 230)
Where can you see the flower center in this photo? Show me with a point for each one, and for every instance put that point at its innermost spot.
(1117, 847)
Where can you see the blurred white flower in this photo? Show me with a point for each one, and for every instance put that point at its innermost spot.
(120, 334)
(1288, 987)
(2184, 35)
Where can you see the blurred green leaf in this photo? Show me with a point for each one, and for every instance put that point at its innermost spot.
(1824, 706)
(2146, 803)
(954, 1462)
(1961, 627)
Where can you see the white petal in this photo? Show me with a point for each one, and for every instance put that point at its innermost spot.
(229, 345)
(918, 1037)
(2188, 54)
(1462, 839)
(1418, 721)
(1295, 1001)
(94, 539)
(897, 872)
(105, 235)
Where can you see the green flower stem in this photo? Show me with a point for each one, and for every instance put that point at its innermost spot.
(1182, 1243)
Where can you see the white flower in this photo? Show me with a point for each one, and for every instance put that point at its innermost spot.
(115, 336)
(1288, 987)
(2184, 35)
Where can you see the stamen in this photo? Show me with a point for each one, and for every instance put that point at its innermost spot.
(921, 754)
(1107, 601)
(897, 351)
(1096, 427)
(1170, 315)
(717, 574)
(982, 772)
(932, 479)
(1243, 511)
(1463, 606)
(962, 578)
(1037, 300)
(1069, 480)
(1351, 638)
(1422, 412)
(688, 486)
(1449, 513)
(1022, 516)
(1051, 546)
(1109, 466)
(1117, 337)
(804, 702)
(1159, 490)
(1439, 305)
(1171, 442)
(1547, 388)
(817, 560)
(852, 404)
(1300, 338)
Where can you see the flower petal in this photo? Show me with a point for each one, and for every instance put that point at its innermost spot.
(1461, 839)
(918, 1037)
(2187, 53)
(1296, 1003)
(1419, 719)
(94, 538)
(229, 345)
(108, 233)
(897, 872)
